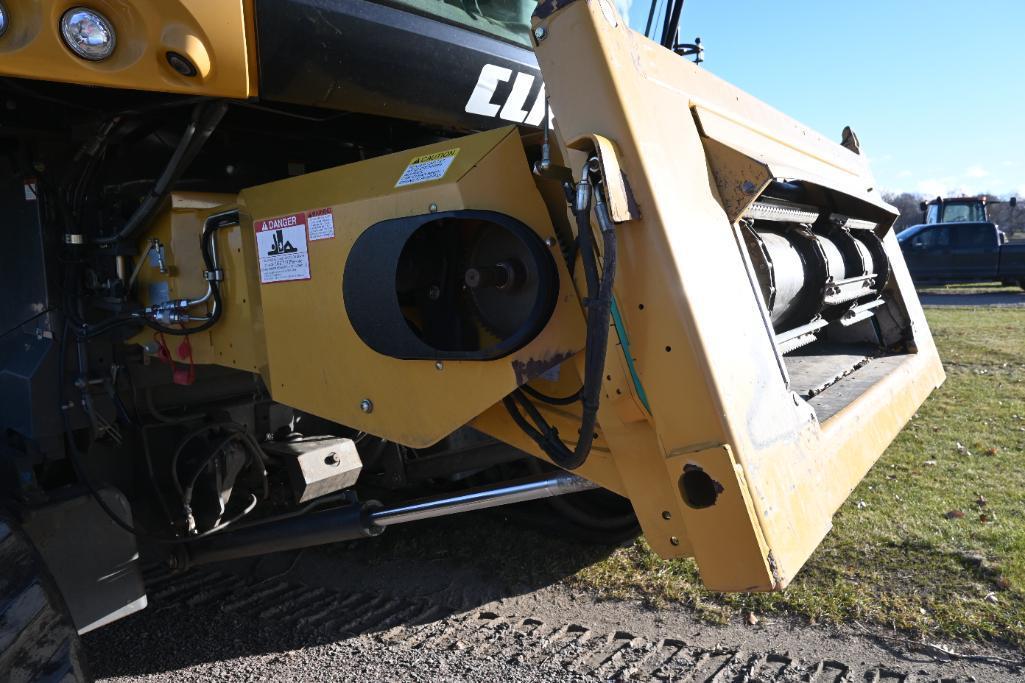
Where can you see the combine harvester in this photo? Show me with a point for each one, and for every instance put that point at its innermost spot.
(275, 270)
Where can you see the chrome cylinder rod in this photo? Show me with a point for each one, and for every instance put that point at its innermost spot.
(532, 488)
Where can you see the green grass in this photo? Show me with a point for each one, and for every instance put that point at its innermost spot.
(972, 288)
(895, 556)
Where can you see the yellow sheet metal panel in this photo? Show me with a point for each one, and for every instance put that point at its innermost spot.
(719, 396)
(236, 341)
(216, 36)
(316, 361)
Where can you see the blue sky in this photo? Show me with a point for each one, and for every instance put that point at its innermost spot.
(934, 89)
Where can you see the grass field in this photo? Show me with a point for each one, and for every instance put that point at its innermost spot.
(933, 540)
(972, 288)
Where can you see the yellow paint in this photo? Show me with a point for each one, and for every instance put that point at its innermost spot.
(696, 152)
(236, 341)
(684, 154)
(216, 35)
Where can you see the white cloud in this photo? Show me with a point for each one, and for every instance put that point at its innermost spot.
(939, 187)
(976, 172)
(624, 9)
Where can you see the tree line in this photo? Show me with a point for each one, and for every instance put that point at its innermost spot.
(1011, 221)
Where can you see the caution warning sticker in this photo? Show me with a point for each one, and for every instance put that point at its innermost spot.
(281, 244)
(427, 167)
(321, 224)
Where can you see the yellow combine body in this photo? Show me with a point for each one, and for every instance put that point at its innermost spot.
(676, 292)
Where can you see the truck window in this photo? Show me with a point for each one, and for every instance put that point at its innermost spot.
(933, 238)
(972, 236)
(933, 215)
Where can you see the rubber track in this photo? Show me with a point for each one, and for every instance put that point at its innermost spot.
(419, 623)
(37, 640)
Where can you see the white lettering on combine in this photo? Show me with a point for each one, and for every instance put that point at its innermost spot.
(482, 102)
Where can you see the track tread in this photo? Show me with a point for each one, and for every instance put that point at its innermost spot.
(423, 623)
(37, 639)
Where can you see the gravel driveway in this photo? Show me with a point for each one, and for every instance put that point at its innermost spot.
(346, 613)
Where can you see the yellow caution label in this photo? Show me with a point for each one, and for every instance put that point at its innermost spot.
(427, 167)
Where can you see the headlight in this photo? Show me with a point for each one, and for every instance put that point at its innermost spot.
(3, 19)
(88, 33)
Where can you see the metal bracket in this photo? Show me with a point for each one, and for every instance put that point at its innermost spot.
(622, 204)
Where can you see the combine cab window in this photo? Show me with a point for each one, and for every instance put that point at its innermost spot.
(963, 213)
(505, 19)
(933, 216)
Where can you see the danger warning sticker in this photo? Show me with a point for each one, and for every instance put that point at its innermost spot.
(427, 167)
(321, 223)
(281, 244)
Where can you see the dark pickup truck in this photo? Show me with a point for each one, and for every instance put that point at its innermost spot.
(962, 252)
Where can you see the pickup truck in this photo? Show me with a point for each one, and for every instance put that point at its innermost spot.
(941, 253)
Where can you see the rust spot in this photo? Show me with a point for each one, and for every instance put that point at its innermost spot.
(778, 580)
(527, 370)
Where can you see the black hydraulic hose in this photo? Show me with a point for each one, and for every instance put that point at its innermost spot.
(75, 456)
(553, 400)
(82, 329)
(204, 120)
(213, 223)
(599, 313)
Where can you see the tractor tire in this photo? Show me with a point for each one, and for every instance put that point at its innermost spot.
(38, 641)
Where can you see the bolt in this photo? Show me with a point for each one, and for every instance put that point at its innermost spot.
(550, 241)
(434, 292)
(666, 514)
(540, 33)
(433, 208)
(332, 459)
(366, 405)
(748, 187)
(438, 365)
(674, 540)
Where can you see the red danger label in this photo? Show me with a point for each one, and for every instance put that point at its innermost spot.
(282, 248)
(281, 222)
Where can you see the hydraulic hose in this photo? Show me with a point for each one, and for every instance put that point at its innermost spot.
(213, 223)
(204, 121)
(553, 400)
(599, 312)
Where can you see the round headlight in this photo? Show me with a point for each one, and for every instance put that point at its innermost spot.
(3, 19)
(88, 33)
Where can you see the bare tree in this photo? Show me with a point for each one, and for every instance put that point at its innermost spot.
(908, 205)
(1011, 221)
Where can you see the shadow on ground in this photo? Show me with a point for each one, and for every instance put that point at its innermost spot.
(276, 604)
